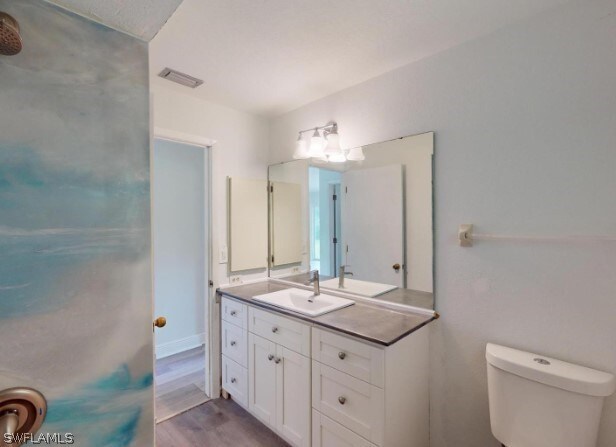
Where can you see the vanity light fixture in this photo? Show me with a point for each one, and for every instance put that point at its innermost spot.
(333, 142)
(324, 145)
(317, 145)
(301, 149)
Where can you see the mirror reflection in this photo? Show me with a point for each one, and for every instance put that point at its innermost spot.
(364, 225)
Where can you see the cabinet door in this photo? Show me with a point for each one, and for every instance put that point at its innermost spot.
(262, 379)
(293, 396)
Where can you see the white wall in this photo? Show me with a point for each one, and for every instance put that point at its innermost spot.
(179, 237)
(525, 123)
(240, 150)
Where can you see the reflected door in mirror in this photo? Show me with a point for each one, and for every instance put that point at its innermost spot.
(373, 224)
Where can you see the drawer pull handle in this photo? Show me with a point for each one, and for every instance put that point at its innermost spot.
(233, 380)
(277, 360)
(342, 400)
(232, 343)
(342, 355)
(274, 329)
(233, 313)
(270, 357)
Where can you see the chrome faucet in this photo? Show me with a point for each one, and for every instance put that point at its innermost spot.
(341, 274)
(314, 280)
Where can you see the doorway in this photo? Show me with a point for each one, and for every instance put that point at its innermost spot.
(181, 258)
(325, 221)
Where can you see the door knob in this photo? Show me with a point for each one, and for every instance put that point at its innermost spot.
(160, 322)
(396, 267)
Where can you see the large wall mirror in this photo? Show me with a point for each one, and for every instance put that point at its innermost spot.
(366, 226)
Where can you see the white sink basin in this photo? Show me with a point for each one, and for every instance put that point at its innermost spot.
(304, 301)
(363, 288)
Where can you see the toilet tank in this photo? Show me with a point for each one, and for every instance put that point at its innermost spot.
(536, 401)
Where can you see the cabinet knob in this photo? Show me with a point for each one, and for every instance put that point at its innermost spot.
(274, 329)
(277, 360)
(342, 400)
(233, 380)
(342, 355)
(232, 343)
(270, 357)
(233, 313)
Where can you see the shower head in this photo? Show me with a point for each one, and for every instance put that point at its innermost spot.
(10, 40)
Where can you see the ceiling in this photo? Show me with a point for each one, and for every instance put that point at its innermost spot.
(272, 56)
(139, 18)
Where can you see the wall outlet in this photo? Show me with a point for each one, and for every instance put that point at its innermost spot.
(223, 255)
(295, 269)
(236, 279)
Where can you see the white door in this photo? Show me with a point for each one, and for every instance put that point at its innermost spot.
(373, 224)
(293, 396)
(262, 378)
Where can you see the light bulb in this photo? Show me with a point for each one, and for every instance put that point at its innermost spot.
(301, 151)
(316, 145)
(356, 154)
(333, 143)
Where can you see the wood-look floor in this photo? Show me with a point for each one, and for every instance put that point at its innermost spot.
(217, 423)
(180, 383)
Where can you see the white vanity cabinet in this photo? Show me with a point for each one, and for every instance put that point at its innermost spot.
(234, 340)
(319, 387)
(279, 374)
(363, 394)
(279, 389)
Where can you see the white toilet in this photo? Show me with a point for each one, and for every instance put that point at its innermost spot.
(537, 401)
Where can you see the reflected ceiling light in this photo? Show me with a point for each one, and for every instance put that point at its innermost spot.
(356, 154)
(301, 149)
(337, 158)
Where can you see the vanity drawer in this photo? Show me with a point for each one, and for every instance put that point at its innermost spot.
(358, 359)
(357, 405)
(327, 433)
(235, 381)
(234, 312)
(235, 343)
(286, 332)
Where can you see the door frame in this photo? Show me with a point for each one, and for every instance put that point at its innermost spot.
(212, 367)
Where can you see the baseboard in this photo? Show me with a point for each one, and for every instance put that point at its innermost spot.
(181, 345)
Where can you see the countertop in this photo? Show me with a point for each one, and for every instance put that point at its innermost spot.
(368, 321)
(408, 297)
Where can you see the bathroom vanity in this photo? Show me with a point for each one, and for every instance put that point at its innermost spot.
(357, 376)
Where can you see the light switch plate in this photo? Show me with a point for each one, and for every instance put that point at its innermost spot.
(223, 257)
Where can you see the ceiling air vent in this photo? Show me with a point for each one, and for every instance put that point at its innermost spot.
(180, 78)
